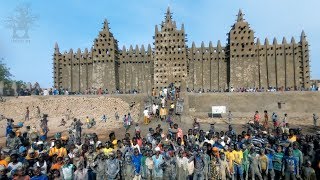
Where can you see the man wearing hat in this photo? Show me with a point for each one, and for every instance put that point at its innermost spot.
(22, 156)
(32, 157)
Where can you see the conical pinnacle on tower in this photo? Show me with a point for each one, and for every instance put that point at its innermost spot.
(258, 42)
(303, 36)
(106, 25)
(78, 51)
(142, 50)
(240, 16)
(284, 41)
(275, 41)
(182, 27)
(130, 49)
(193, 45)
(219, 45)
(124, 48)
(56, 47)
(149, 48)
(202, 45)
(156, 30)
(266, 41)
(293, 41)
(210, 44)
(137, 49)
(168, 15)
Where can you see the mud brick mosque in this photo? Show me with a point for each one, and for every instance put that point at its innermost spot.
(243, 62)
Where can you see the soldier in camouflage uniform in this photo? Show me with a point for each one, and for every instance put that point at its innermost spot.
(13, 142)
(90, 158)
(100, 165)
(198, 165)
(128, 168)
(170, 167)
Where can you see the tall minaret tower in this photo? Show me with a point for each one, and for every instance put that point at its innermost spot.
(170, 58)
(241, 51)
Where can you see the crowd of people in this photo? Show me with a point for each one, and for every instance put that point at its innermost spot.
(259, 151)
(266, 148)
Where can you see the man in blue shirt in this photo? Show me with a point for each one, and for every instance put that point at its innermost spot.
(269, 154)
(290, 166)
(38, 175)
(136, 160)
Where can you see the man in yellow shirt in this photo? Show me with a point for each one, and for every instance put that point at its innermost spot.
(292, 137)
(230, 158)
(107, 149)
(237, 162)
(58, 149)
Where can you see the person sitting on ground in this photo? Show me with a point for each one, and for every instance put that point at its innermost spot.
(62, 123)
(104, 118)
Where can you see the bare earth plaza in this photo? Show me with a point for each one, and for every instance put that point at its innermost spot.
(169, 110)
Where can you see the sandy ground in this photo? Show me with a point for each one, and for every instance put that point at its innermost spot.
(96, 107)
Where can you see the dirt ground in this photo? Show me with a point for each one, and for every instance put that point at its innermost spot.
(96, 107)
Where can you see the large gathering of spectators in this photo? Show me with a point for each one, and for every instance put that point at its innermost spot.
(266, 149)
(253, 89)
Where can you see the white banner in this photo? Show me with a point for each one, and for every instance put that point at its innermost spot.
(219, 109)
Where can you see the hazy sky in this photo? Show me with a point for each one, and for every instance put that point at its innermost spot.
(75, 24)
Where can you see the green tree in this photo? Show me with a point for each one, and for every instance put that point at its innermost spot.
(5, 74)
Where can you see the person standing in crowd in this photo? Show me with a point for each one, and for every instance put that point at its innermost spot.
(284, 122)
(256, 118)
(264, 164)
(229, 117)
(27, 115)
(171, 110)
(275, 120)
(136, 160)
(116, 114)
(125, 120)
(290, 168)
(67, 170)
(146, 116)
(266, 120)
(315, 120)
(163, 113)
(38, 112)
(308, 172)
